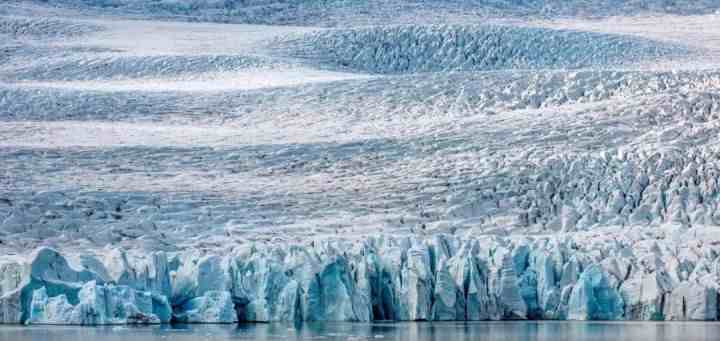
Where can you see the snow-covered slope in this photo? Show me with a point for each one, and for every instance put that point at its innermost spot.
(156, 171)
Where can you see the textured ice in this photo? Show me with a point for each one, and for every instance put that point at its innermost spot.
(98, 305)
(340, 13)
(24, 27)
(593, 298)
(584, 276)
(211, 307)
(157, 171)
(412, 49)
(115, 67)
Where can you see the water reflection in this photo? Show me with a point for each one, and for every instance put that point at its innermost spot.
(441, 331)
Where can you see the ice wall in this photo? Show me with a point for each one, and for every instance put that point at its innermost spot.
(630, 275)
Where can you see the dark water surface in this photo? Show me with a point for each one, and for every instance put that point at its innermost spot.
(443, 331)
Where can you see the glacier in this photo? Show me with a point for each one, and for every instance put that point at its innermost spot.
(210, 162)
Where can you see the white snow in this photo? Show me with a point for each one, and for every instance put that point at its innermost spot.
(228, 81)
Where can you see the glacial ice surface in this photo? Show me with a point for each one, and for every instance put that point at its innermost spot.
(364, 12)
(163, 171)
(413, 48)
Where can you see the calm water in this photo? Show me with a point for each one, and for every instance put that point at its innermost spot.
(443, 331)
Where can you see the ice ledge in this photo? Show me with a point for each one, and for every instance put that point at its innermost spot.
(630, 275)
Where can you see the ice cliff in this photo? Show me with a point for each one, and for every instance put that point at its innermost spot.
(630, 275)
